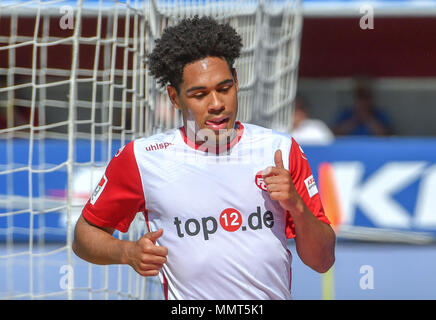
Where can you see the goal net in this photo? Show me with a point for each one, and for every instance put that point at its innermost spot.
(74, 88)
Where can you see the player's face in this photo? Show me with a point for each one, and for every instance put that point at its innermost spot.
(208, 99)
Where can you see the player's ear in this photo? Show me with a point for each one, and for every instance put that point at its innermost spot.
(174, 96)
(235, 79)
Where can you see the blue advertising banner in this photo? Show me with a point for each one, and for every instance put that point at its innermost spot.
(381, 183)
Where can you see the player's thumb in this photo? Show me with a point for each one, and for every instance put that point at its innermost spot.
(153, 236)
(278, 159)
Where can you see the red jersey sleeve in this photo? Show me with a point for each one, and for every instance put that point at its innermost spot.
(119, 194)
(304, 182)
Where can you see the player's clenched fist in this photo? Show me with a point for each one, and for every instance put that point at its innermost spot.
(145, 256)
(279, 184)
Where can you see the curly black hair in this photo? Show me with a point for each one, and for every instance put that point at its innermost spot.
(189, 41)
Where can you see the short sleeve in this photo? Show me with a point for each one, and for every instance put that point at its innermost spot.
(304, 182)
(119, 196)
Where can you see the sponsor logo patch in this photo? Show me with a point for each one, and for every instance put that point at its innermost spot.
(311, 186)
(230, 220)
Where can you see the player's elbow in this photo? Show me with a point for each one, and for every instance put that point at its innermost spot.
(79, 234)
(76, 243)
(326, 259)
(322, 257)
(325, 264)
(327, 253)
(322, 261)
(75, 248)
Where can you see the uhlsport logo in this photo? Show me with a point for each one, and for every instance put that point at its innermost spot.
(230, 220)
(158, 146)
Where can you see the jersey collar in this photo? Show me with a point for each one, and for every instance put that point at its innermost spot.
(239, 127)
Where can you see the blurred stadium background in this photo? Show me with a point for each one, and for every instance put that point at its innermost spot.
(72, 94)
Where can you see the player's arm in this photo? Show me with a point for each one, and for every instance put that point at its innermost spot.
(97, 245)
(315, 240)
(113, 205)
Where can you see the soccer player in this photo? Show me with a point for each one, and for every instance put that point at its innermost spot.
(220, 197)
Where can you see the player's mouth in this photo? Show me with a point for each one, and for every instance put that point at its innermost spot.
(219, 123)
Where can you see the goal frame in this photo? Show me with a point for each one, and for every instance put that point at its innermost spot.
(121, 92)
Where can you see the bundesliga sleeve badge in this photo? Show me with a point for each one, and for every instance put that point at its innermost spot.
(98, 190)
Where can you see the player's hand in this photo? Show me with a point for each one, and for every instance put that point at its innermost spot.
(145, 256)
(279, 184)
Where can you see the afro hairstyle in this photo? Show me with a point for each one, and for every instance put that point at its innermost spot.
(189, 41)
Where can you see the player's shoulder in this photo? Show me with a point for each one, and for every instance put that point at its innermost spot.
(266, 133)
(165, 138)
(157, 141)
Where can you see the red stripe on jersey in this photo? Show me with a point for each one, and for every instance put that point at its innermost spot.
(122, 196)
(146, 220)
(300, 170)
(165, 286)
(290, 273)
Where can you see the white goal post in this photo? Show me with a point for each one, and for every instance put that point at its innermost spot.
(74, 87)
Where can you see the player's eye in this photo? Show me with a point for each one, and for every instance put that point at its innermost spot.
(199, 95)
(224, 89)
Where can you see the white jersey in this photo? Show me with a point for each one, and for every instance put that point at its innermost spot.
(226, 238)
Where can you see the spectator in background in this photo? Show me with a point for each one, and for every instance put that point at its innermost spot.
(363, 118)
(306, 130)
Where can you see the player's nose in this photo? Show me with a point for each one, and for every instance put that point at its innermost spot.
(216, 104)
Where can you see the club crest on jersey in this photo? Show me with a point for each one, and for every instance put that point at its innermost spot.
(259, 181)
(311, 186)
(98, 190)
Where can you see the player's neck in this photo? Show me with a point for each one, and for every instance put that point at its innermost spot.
(217, 144)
